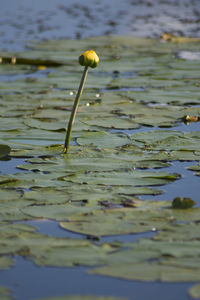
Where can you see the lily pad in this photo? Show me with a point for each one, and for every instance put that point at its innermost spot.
(182, 203)
(103, 139)
(51, 251)
(195, 168)
(149, 272)
(5, 293)
(55, 212)
(194, 291)
(5, 263)
(117, 221)
(168, 140)
(4, 150)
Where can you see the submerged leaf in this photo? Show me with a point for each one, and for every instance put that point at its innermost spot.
(182, 203)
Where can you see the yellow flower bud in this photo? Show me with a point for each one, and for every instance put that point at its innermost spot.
(89, 59)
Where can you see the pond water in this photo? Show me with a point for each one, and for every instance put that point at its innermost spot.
(35, 282)
(25, 20)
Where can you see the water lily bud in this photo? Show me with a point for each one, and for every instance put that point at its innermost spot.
(89, 59)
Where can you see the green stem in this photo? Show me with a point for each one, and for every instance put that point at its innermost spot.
(74, 110)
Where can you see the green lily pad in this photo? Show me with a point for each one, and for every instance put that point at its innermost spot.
(103, 139)
(22, 240)
(38, 151)
(5, 263)
(11, 211)
(4, 150)
(195, 168)
(131, 178)
(5, 293)
(55, 212)
(117, 221)
(168, 140)
(182, 203)
(194, 291)
(10, 194)
(184, 232)
(112, 122)
(149, 272)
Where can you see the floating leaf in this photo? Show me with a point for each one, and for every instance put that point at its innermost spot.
(5, 263)
(195, 168)
(4, 150)
(116, 221)
(194, 291)
(103, 139)
(51, 251)
(149, 272)
(5, 293)
(55, 212)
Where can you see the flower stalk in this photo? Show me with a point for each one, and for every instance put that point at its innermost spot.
(74, 110)
(87, 59)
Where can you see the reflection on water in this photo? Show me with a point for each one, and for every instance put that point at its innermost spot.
(26, 20)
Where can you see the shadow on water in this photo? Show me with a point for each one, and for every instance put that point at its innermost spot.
(35, 282)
